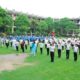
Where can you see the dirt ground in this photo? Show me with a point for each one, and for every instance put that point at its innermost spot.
(12, 61)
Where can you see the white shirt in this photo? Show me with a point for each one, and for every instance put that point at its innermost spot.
(52, 48)
(30, 44)
(75, 49)
(68, 46)
(59, 46)
(41, 45)
(63, 43)
(46, 41)
(17, 43)
(48, 45)
(26, 42)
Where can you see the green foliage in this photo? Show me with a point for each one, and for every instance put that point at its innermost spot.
(22, 23)
(67, 23)
(22, 20)
(5, 20)
(43, 25)
(62, 26)
(42, 69)
(50, 23)
(33, 25)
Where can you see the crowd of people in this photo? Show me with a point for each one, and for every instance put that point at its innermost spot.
(50, 43)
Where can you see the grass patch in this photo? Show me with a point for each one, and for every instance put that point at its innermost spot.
(43, 69)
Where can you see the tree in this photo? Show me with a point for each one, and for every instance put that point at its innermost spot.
(49, 22)
(66, 25)
(33, 25)
(22, 22)
(63, 26)
(43, 27)
(6, 20)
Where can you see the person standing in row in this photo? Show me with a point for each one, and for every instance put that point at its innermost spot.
(48, 46)
(68, 46)
(30, 43)
(26, 44)
(75, 52)
(17, 45)
(33, 48)
(52, 50)
(22, 45)
(59, 49)
(7, 43)
(79, 47)
(63, 44)
(41, 46)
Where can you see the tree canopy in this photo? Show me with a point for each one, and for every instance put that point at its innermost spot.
(5, 20)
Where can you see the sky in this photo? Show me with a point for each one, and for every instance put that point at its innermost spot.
(45, 8)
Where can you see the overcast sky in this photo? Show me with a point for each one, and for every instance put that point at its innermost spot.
(45, 8)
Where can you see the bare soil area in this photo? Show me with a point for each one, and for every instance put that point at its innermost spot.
(12, 61)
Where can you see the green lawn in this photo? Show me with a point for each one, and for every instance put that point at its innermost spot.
(43, 69)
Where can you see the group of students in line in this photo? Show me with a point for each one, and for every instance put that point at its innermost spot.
(61, 45)
(50, 45)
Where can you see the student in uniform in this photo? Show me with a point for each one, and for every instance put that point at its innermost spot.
(48, 46)
(59, 49)
(41, 44)
(7, 43)
(26, 44)
(79, 47)
(22, 46)
(17, 45)
(33, 48)
(75, 52)
(52, 50)
(30, 43)
(63, 44)
(68, 46)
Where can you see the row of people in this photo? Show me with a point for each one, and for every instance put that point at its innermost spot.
(50, 46)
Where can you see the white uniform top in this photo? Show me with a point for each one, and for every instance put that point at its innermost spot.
(59, 46)
(13, 43)
(63, 43)
(68, 46)
(41, 45)
(17, 43)
(75, 49)
(30, 44)
(26, 42)
(36, 41)
(52, 48)
(46, 41)
(7, 40)
(48, 45)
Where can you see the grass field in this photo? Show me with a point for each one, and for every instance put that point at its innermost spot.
(43, 69)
